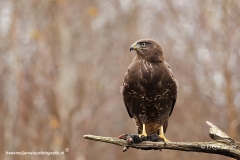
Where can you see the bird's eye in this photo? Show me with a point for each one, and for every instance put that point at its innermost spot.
(143, 44)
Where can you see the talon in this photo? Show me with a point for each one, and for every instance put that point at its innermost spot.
(162, 136)
(144, 133)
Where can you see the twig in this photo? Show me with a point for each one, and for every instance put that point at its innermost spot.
(222, 144)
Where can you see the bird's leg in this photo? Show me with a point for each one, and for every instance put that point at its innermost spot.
(144, 133)
(162, 136)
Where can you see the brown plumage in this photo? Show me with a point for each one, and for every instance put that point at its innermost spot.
(149, 89)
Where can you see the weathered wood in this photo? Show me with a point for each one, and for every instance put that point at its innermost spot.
(222, 144)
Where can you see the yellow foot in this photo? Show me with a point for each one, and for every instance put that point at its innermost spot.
(162, 136)
(144, 133)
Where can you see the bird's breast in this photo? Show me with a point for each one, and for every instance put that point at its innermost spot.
(146, 71)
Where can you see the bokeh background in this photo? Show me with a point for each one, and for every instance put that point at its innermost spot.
(62, 64)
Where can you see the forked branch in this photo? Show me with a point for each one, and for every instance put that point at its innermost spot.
(222, 144)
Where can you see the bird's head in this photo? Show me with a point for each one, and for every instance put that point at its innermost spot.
(149, 50)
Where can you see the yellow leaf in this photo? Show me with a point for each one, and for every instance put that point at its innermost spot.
(35, 34)
(92, 11)
(57, 140)
(53, 122)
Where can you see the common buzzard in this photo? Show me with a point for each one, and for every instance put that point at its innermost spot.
(149, 89)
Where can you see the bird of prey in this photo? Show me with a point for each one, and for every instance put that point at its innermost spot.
(149, 89)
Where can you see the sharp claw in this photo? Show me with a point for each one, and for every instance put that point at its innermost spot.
(164, 139)
(162, 136)
(142, 135)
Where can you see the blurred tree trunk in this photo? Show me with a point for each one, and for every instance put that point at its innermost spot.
(231, 108)
(228, 73)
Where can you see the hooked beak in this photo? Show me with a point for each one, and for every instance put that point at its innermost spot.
(133, 47)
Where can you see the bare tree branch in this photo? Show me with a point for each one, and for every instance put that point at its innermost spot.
(222, 144)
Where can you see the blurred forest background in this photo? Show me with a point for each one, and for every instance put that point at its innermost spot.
(62, 64)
